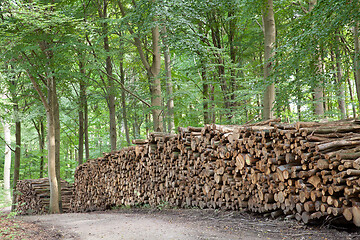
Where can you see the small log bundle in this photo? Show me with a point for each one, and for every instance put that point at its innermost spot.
(308, 171)
(33, 196)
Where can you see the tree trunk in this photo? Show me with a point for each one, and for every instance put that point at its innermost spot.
(7, 163)
(269, 34)
(17, 155)
(169, 87)
(155, 84)
(233, 54)
(102, 10)
(82, 110)
(357, 61)
(340, 82)
(41, 145)
(53, 124)
(86, 130)
(53, 168)
(39, 126)
(205, 84)
(219, 61)
(153, 71)
(123, 102)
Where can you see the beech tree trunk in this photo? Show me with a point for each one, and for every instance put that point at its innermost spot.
(269, 34)
(340, 82)
(82, 105)
(50, 102)
(153, 71)
(318, 89)
(155, 84)
(42, 146)
(7, 163)
(169, 87)
(86, 130)
(81, 125)
(123, 102)
(109, 72)
(17, 152)
(51, 126)
(39, 126)
(357, 61)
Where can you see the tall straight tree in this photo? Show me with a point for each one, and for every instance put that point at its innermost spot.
(7, 163)
(102, 6)
(169, 86)
(269, 37)
(153, 69)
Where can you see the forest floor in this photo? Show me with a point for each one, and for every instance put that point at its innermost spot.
(157, 224)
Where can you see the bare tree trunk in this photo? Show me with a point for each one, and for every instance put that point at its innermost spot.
(51, 126)
(153, 71)
(212, 100)
(357, 61)
(340, 82)
(41, 145)
(82, 105)
(7, 163)
(17, 154)
(102, 10)
(155, 85)
(205, 93)
(86, 130)
(39, 126)
(123, 102)
(269, 34)
(205, 84)
(169, 87)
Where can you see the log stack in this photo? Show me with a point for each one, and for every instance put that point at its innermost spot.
(308, 171)
(33, 196)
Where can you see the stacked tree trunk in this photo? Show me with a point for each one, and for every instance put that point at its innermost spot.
(307, 171)
(33, 196)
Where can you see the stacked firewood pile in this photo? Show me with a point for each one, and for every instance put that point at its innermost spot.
(307, 171)
(33, 196)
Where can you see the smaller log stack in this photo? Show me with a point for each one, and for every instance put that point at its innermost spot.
(33, 196)
(308, 171)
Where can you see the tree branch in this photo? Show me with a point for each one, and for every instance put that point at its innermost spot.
(127, 90)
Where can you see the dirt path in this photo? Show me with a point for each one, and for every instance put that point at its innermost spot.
(180, 224)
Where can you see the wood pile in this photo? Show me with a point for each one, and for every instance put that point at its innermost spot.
(33, 196)
(308, 171)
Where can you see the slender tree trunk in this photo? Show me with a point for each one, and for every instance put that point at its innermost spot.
(269, 34)
(216, 38)
(82, 105)
(41, 145)
(205, 93)
(340, 82)
(169, 88)
(109, 71)
(86, 130)
(212, 101)
(7, 163)
(123, 102)
(205, 84)
(233, 54)
(319, 91)
(155, 86)
(351, 98)
(17, 155)
(53, 167)
(56, 113)
(153, 71)
(357, 61)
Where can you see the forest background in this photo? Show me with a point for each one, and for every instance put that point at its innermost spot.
(83, 77)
